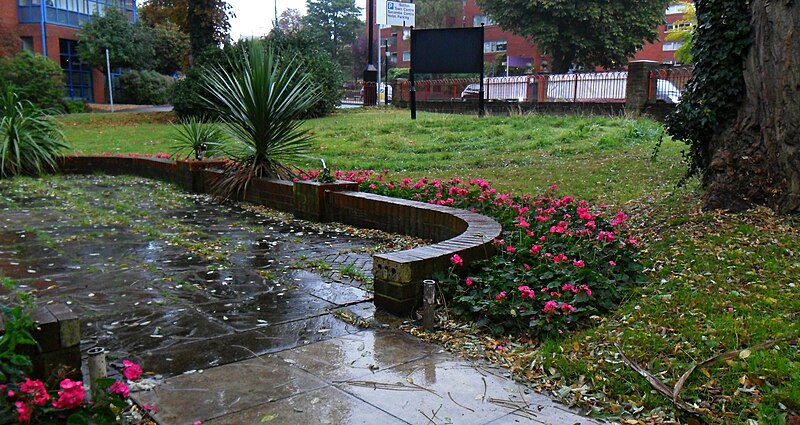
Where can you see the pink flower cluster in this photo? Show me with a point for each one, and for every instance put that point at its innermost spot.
(70, 395)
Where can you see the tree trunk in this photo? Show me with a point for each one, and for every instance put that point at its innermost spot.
(756, 160)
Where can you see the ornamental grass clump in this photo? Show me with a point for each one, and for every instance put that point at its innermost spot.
(263, 98)
(30, 140)
(196, 138)
(560, 260)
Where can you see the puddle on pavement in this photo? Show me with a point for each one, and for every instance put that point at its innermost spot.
(173, 279)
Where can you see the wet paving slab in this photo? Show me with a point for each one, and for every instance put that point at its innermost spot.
(158, 275)
(368, 377)
(232, 310)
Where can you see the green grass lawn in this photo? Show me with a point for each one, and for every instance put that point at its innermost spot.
(718, 282)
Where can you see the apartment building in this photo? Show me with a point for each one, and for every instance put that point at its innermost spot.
(518, 50)
(49, 27)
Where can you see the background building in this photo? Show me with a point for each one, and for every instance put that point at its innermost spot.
(49, 27)
(521, 52)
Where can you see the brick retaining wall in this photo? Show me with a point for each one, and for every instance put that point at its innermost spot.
(398, 275)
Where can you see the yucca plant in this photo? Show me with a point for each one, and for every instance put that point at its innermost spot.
(194, 137)
(30, 140)
(263, 99)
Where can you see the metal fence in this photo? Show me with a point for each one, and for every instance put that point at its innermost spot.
(667, 84)
(603, 87)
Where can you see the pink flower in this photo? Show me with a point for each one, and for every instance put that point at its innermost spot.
(469, 281)
(500, 296)
(131, 370)
(71, 395)
(372, 186)
(456, 260)
(526, 292)
(567, 307)
(587, 290)
(23, 410)
(619, 219)
(578, 263)
(605, 236)
(511, 249)
(550, 306)
(120, 388)
(37, 390)
(559, 258)
(527, 267)
(612, 263)
(150, 408)
(535, 249)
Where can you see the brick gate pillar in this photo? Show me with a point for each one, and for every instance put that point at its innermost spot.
(638, 87)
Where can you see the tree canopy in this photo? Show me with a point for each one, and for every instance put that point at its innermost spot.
(335, 24)
(128, 44)
(435, 13)
(206, 21)
(588, 33)
(290, 21)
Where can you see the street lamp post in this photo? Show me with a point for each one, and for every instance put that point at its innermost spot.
(386, 66)
(371, 73)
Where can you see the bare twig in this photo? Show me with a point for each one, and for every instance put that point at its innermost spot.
(457, 403)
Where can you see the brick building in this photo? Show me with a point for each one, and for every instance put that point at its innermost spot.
(48, 27)
(498, 41)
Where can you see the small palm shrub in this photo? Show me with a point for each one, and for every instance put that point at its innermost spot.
(198, 139)
(30, 140)
(262, 97)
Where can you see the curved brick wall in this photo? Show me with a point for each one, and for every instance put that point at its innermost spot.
(398, 275)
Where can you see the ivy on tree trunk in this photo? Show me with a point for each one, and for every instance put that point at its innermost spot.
(741, 116)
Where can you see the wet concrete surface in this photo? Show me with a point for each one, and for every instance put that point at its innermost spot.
(224, 307)
(155, 273)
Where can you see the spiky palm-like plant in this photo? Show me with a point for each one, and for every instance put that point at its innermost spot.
(194, 137)
(262, 99)
(30, 140)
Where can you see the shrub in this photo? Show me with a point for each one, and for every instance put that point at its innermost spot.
(143, 88)
(76, 106)
(560, 260)
(189, 95)
(322, 70)
(263, 98)
(34, 78)
(194, 138)
(30, 141)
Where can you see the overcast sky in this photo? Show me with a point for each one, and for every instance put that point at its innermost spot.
(254, 17)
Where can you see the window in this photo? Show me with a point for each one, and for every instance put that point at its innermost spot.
(675, 9)
(406, 34)
(670, 46)
(406, 56)
(495, 46)
(678, 26)
(77, 76)
(27, 44)
(477, 20)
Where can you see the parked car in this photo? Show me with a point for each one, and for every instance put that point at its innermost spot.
(667, 92)
(471, 91)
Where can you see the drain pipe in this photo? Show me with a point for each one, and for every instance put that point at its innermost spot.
(429, 304)
(97, 363)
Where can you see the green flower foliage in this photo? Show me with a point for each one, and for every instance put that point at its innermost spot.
(717, 85)
(560, 261)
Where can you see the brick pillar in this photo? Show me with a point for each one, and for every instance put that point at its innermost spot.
(637, 90)
(309, 197)
(58, 336)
